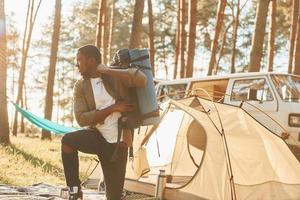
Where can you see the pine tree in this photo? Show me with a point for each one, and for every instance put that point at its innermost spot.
(4, 127)
(191, 38)
(30, 21)
(182, 37)
(293, 32)
(234, 36)
(105, 33)
(52, 66)
(99, 33)
(271, 43)
(218, 27)
(258, 36)
(136, 30)
(177, 39)
(296, 58)
(111, 28)
(151, 36)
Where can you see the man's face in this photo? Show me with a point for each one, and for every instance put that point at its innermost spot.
(84, 64)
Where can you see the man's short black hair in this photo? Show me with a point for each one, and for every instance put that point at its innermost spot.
(91, 51)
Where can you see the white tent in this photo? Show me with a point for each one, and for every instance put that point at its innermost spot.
(213, 151)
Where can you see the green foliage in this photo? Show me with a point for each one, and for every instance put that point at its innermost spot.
(245, 34)
(164, 32)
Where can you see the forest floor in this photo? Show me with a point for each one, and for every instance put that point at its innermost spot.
(31, 168)
(30, 160)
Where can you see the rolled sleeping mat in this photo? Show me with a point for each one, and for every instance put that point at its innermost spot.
(146, 96)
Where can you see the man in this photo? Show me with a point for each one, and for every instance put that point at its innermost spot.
(100, 98)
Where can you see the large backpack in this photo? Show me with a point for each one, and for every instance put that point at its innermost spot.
(144, 98)
(147, 110)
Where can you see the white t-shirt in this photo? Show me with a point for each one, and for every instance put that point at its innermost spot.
(109, 129)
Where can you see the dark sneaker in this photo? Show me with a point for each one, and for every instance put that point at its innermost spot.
(101, 187)
(80, 195)
(73, 196)
(75, 193)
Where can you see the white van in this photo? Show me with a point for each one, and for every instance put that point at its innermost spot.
(263, 94)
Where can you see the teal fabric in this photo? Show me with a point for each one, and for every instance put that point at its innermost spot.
(44, 123)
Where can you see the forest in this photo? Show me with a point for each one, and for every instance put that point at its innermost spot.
(185, 38)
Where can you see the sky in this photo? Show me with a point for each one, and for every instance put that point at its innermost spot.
(45, 11)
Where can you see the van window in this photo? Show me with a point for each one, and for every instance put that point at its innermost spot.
(288, 87)
(251, 89)
(175, 91)
(208, 89)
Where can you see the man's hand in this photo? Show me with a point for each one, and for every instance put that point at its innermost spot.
(122, 106)
(102, 69)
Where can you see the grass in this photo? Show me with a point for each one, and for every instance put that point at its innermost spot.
(29, 160)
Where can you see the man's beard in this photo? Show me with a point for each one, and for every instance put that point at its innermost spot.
(89, 73)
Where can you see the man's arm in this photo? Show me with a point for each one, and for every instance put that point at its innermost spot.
(83, 115)
(120, 106)
(131, 77)
(86, 117)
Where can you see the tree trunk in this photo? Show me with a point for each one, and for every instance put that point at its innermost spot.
(100, 23)
(105, 33)
(218, 28)
(4, 127)
(295, 15)
(24, 105)
(22, 130)
(151, 36)
(163, 39)
(23, 63)
(224, 38)
(30, 20)
(136, 30)
(191, 38)
(111, 30)
(13, 94)
(52, 67)
(296, 64)
(182, 37)
(58, 96)
(271, 44)
(259, 35)
(234, 36)
(177, 42)
(296, 68)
